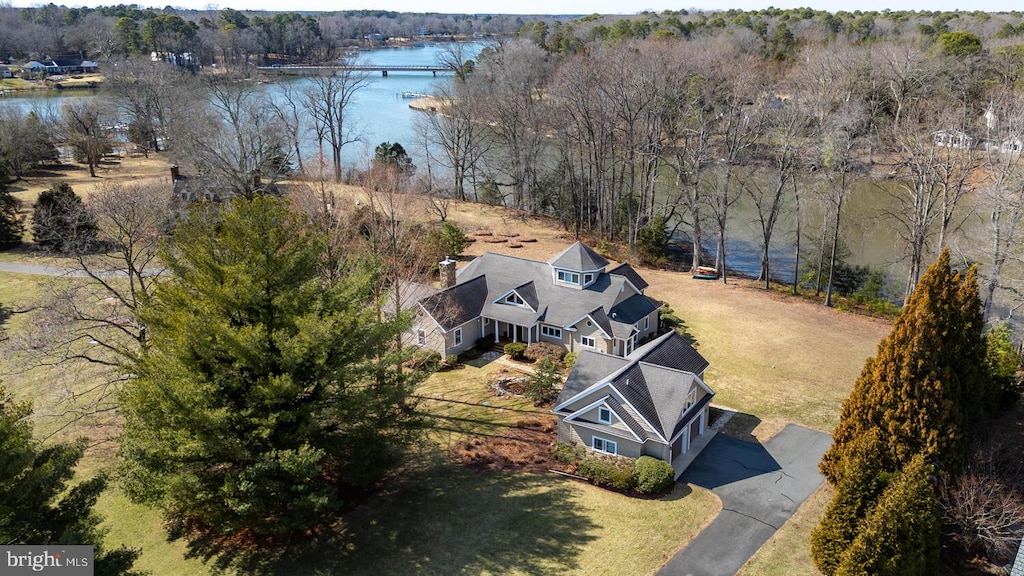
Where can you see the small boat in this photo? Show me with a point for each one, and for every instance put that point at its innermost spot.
(706, 273)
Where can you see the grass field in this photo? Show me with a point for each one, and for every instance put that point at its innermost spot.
(776, 358)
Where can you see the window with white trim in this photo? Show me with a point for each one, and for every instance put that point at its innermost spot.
(568, 277)
(458, 336)
(691, 399)
(421, 337)
(647, 323)
(604, 415)
(551, 332)
(606, 446)
(587, 279)
(588, 341)
(514, 298)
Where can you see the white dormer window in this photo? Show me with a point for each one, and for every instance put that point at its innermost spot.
(588, 279)
(514, 299)
(569, 277)
(604, 415)
(691, 399)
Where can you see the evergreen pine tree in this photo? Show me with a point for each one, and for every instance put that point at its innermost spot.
(267, 397)
(36, 504)
(928, 379)
(11, 228)
(61, 222)
(901, 536)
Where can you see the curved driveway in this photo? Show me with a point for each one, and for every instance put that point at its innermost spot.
(760, 487)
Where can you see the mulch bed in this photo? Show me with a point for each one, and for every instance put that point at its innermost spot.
(525, 446)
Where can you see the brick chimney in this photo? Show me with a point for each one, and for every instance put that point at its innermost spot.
(447, 268)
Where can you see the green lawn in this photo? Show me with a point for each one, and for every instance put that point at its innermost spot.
(443, 519)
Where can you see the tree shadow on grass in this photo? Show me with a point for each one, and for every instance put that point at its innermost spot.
(439, 518)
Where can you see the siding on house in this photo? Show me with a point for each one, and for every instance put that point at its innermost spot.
(590, 416)
(625, 446)
(470, 334)
(594, 331)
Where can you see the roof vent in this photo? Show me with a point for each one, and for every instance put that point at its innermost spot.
(615, 314)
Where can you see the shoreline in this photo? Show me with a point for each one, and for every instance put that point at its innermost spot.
(428, 104)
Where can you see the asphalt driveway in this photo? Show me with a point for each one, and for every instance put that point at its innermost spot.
(760, 487)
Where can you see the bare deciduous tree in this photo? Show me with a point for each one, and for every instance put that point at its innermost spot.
(328, 101)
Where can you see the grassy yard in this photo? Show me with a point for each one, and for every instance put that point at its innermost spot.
(443, 519)
(440, 518)
(779, 359)
(772, 356)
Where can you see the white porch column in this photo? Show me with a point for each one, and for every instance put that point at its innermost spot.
(529, 335)
(495, 331)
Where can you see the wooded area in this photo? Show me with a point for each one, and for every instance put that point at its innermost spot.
(643, 130)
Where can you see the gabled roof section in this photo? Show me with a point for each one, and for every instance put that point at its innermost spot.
(611, 402)
(630, 274)
(553, 302)
(578, 257)
(632, 309)
(602, 321)
(458, 304)
(528, 292)
(671, 351)
(590, 368)
(657, 392)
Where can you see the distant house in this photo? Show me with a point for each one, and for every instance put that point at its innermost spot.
(952, 139)
(5, 72)
(71, 66)
(1011, 144)
(34, 67)
(653, 402)
(572, 300)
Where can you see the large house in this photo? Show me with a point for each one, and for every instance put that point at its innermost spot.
(572, 300)
(654, 402)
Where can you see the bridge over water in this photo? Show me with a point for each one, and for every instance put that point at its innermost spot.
(382, 68)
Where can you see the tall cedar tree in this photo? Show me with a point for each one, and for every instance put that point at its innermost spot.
(901, 536)
(36, 504)
(61, 222)
(929, 380)
(862, 482)
(11, 228)
(267, 398)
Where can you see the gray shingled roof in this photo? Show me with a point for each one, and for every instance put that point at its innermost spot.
(632, 309)
(579, 257)
(650, 379)
(458, 304)
(1018, 565)
(559, 305)
(590, 368)
(627, 418)
(671, 352)
(631, 275)
(528, 292)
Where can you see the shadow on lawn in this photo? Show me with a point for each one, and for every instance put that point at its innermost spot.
(440, 518)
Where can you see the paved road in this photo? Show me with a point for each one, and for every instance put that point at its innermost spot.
(37, 269)
(760, 487)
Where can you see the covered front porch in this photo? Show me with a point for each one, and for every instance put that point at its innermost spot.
(506, 332)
